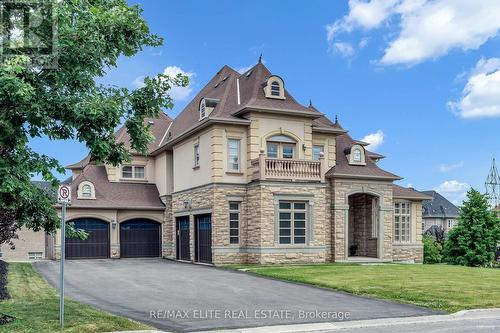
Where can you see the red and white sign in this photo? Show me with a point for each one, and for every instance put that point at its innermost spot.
(64, 194)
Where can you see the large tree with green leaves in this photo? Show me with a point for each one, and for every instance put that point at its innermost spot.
(473, 242)
(66, 102)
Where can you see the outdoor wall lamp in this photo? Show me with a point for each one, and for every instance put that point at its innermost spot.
(113, 224)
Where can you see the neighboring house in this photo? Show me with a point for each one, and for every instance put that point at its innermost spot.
(29, 245)
(439, 211)
(246, 174)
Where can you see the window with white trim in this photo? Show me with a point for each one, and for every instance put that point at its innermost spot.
(356, 155)
(203, 109)
(281, 146)
(275, 88)
(35, 255)
(451, 223)
(317, 150)
(234, 222)
(196, 149)
(233, 154)
(133, 172)
(292, 222)
(86, 191)
(402, 221)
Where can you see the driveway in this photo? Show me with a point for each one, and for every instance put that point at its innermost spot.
(185, 297)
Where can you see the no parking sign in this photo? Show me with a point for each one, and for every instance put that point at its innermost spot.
(64, 194)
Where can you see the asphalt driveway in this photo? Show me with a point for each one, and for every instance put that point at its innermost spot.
(185, 297)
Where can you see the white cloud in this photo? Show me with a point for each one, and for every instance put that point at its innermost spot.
(138, 82)
(244, 69)
(345, 49)
(374, 139)
(424, 29)
(481, 94)
(453, 190)
(177, 93)
(451, 167)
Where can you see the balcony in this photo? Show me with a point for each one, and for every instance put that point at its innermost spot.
(288, 169)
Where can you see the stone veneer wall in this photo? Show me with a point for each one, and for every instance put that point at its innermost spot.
(257, 221)
(341, 190)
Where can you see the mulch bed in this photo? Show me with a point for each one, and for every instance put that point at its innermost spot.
(4, 319)
(3, 280)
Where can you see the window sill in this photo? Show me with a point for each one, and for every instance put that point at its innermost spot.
(196, 167)
(82, 198)
(235, 173)
(133, 180)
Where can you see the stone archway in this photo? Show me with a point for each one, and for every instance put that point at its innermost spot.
(363, 225)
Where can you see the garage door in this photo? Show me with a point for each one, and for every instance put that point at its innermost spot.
(96, 245)
(140, 238)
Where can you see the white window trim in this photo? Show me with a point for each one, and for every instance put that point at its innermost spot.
(238, 211)
(322, 146)
(79, 191)
(307, 226)
(268, 90)
(133, 166)
(410, 223)
(229, 163)
(280, 149)
(350, 157)
(196, 155)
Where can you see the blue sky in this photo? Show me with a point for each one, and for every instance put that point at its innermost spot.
(422, 77)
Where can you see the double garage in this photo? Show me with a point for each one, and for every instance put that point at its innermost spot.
(138, 238)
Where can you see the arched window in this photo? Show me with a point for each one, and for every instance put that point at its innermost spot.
(275, 88)
(281, 146)
(86, 191)
(356, 155)
(203, 112)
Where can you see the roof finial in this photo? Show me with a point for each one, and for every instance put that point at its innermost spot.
(260, 58)
(310, 103)
(336, 119)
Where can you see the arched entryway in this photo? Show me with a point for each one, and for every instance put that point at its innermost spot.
(363, 225)
(140, 238)
(95, 246)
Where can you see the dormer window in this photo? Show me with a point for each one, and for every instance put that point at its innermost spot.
(86, 190)
(275, 88)
(207, 105)
(356, 155)
(203, 109)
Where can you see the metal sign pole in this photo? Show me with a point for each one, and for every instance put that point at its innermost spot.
(63, 247)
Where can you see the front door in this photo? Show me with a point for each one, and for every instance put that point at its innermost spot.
(182, 226)
(203, 238)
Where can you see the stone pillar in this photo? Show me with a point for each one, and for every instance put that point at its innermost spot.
(169, 236)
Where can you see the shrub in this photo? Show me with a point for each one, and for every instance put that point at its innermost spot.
(432, 251)
(473, 242)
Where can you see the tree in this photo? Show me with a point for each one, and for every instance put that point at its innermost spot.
(67, 103)
(473, 242)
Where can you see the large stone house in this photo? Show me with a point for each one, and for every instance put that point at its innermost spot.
(246, 174)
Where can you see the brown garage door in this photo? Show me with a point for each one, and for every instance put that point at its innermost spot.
(140, 238)
(95, 246)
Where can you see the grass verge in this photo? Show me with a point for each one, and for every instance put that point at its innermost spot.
(440, 287)
(35, 306)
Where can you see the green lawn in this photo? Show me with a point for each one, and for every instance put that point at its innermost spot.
(441, 287)
(36, 307)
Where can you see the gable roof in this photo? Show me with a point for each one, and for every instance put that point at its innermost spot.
(438, 206)
(408, 193)
(343, 169)
(114, 194)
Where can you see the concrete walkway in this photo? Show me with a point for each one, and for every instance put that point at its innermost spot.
(181, 297)
(477, 321)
